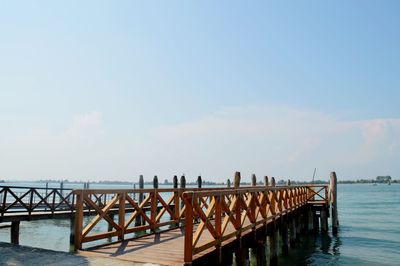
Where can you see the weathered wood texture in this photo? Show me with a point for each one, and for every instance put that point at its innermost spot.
(333, 200)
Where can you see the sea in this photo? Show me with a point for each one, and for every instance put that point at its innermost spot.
(369, 230)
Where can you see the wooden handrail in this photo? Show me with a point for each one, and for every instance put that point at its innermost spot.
(235, 211)
(17, 199)
(214, 209)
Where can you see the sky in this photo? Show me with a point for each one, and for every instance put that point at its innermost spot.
(95, 90)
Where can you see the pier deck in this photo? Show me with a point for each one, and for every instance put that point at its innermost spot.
(183, 226)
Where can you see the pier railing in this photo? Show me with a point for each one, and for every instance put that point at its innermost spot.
(223, 212)
(127, 211)
(231, 213)
(19, 199)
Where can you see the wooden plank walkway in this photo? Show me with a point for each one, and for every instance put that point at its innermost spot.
(163, 249)
(166, 248)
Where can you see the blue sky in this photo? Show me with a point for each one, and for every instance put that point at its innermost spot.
(116, 89)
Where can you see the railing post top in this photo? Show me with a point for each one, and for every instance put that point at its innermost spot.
(199, 181)
(253, 180)
(265, 180)
(183, 181)
(188, 194)
(155, 182)
(237, 180)
(273, 183)
(333, 175)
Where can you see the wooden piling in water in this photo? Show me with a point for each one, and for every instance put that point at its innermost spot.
(176, 200)
(182, 185)
(284, 234)
(324, 220)
(236, 182)
(310, 219)
(298, 226)
(273, 239)
(333, 197)
(199, 181)
(266, 181)
(315, 221)
(293, 233)
(139, 220)
(15, 232)
(155, 182)
(253, 180)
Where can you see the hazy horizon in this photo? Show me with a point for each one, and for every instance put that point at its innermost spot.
(111, 90)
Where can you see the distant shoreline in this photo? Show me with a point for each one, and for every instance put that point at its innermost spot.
(206, 183)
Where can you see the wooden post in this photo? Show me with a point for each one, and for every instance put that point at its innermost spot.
(188, 249)
(253, 180)
(324, 220)
(15, 232)
(315, 221)
(110, 227)
(155, 182)
(139, 220)
(273, 239)
(199, 182)
(176, 201)
(183, 182)
(310, 219)
(62, 188)
(78, 221)
(175, 182)
(298, 225)
(241, 253)
(284, 235)
(292, 232)
(273, 184)
(153, 204)
(273, 246)
(183, 186)
(266, 181)
(238, 211)
(121, 216)
(237, 180)
(334, 210)
(260, 252)
(218, 224)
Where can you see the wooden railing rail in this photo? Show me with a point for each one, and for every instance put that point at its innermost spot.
(232, 212)
(158, 208)
(15, 199)
(115, 212)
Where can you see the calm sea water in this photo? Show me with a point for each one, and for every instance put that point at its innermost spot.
(369, 232)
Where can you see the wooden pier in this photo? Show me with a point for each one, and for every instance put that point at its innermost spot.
(184, 225)
(181, 226)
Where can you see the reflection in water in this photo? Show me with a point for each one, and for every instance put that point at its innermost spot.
(312, 249)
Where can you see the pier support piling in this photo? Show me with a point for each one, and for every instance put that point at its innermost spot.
(293, 233)
(273, 247)
(15, 232)
(310, 220)
(139, 221)
(285, 240)
(315, 221)
(324, 220)
(334, 210)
